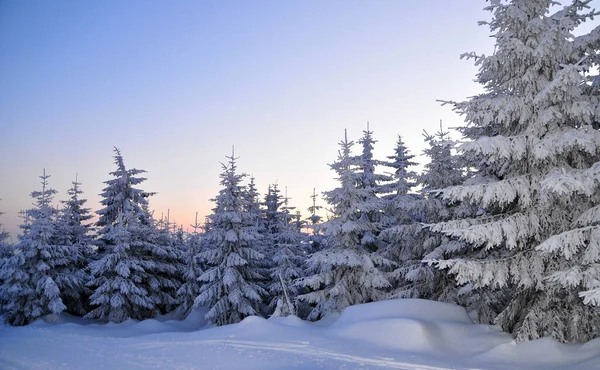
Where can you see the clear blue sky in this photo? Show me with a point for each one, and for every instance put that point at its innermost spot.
(174, 84)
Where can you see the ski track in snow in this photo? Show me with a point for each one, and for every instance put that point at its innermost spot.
(302, 348)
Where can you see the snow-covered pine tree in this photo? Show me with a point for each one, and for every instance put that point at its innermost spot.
(287, 258)
(400, 224)
(442, 170)
(372, 186)
(272, 226)
(73, 231)
(190, 289)
(170, 272)
(121, 197)
(33, 275)
(346, 272)
(230, 283)
(119, 276)
(127, 231)
(315, 237)
(532, 137)
(5, 249)
(6, 252)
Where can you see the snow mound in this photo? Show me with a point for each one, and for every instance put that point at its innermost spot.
(416, 325)
(417, 309)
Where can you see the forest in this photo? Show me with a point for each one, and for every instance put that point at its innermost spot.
(504, 221)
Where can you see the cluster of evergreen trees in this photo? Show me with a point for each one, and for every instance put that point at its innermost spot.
(506, 223)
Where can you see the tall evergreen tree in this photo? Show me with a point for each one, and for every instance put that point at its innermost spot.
(128, 241)
(120, 277)
(72, 230)
(345, 273)
(286, 239)
(371, 186)
(444, 169)
(400, 224)
(33, 276)
(532, 138)
(230, 283)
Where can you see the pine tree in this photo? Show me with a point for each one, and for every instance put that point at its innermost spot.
(315, 237)
(120, 276)
(72, 230)
(371, 186)
(6, 251)
(169, 273)
(190, 289)
(532, 140)
(230, 283)
(120, 196)
(286, 239)
(442, 170)
(401, 223)
(34, 274)
(128, 240)
(345, 273)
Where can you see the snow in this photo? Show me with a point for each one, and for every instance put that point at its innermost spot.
(395, 334)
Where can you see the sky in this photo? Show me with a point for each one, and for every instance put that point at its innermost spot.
(175, 84)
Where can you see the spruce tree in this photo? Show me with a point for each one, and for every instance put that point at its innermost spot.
(230, 283)
(6, 251)
(127, 239)
(72, 230)
(192, 270)
(315, 237)
(371, 186)
(443, 170)
(400, 224)
(287, 258)
(345, 272)
(120, 277)
(531, 138)
(34, 274)
(169, 274)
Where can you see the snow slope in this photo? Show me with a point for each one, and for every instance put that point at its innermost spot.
(397, 334)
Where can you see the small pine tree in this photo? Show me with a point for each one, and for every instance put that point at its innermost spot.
(6, 251)
(287, 258)
(346, 272)
(190, 289)
(315, 237)
(230, 283)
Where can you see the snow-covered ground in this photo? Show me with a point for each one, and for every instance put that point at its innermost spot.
(398, 334)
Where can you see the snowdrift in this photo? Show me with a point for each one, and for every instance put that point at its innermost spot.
(399, 334)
